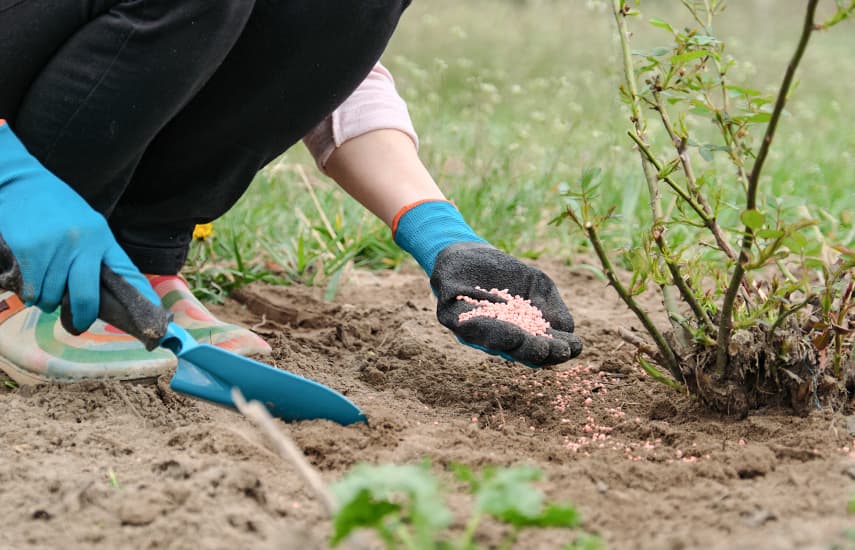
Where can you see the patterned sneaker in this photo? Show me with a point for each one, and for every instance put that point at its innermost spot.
(190, 314)
(34, 349)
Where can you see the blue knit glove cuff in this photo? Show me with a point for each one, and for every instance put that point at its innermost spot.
(426, 228)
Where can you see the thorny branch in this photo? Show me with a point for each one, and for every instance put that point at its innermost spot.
(666, 354)
(650, 176)
(726, 323)
(681, 146)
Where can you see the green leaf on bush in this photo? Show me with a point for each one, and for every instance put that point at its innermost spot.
(796, 242)
(760, 117)
(587, 181)
(703, 40)
(753, 219)
(689, 56)
(740, 91)
(769, 233)
(656, 22)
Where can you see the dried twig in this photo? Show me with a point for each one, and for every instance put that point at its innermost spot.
(259, 324)
(639, 344)
(305, 179)
(287, 449)
(117, 387)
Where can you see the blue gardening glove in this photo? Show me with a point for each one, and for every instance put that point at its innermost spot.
(58, 241)
(457, 260)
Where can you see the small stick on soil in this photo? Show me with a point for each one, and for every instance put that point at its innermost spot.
(121, 391)
(287, 449)
(305, 179)
(501, 410)
(639, 343)
(259, 324)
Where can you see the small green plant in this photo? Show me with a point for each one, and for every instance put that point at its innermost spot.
(406, 507)
(759, 305)
(113, 479)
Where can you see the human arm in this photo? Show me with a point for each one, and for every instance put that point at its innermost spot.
(380, 167)
(58, 241)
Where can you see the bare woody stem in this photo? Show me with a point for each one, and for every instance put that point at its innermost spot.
(635, 107)
(650, 175)
(686, 292)
(645, 150)
(726, 323)
(681, 145)
(707, 219)
(666, 354)
(673, 268)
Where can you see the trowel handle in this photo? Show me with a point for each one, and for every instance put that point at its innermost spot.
(125, 308)
(121, 304)
(10, 274)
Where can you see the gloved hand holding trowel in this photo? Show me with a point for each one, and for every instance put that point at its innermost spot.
(143, 150)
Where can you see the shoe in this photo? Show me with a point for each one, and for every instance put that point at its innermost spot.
(189, 313)
(35, 349)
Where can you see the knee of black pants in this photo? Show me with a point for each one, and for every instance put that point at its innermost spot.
(314, 53)
(104, 83)
(382, 15)
(210, 17)
(294, 63)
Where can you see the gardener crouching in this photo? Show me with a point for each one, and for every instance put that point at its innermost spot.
(128, 124)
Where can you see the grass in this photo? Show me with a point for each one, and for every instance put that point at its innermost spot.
(512, 101)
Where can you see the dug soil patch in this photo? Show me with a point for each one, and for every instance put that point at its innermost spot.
(107, 465)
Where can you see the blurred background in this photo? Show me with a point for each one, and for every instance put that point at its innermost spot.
(512, 99)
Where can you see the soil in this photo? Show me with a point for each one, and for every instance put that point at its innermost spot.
(109, 465)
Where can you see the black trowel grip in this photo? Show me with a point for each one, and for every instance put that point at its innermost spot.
(125, 308)
(10, 275)
(121, 304)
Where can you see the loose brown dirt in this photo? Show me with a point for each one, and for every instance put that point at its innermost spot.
(137, 466)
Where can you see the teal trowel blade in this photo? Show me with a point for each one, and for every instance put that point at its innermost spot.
(210, 373)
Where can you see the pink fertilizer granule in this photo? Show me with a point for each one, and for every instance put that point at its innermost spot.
(515, 310)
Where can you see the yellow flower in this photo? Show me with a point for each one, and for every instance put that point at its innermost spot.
(202, 231)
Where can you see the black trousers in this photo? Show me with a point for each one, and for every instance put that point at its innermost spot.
(160, 112)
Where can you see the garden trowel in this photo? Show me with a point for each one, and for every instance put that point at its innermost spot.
(204, 371)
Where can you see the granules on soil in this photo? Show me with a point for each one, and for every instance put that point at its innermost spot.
(515, 310)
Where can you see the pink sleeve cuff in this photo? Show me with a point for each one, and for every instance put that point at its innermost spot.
(374, 105)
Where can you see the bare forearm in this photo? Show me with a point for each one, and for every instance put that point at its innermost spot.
(382, 170)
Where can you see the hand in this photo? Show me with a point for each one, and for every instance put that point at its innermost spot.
(459, 268)
(58, 241)
(458, 260)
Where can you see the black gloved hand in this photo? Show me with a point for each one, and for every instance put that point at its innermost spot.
(459, 268)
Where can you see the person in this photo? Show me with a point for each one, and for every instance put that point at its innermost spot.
(129, 122)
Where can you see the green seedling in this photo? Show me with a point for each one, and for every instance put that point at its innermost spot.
(406, 507)
(113, 479)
